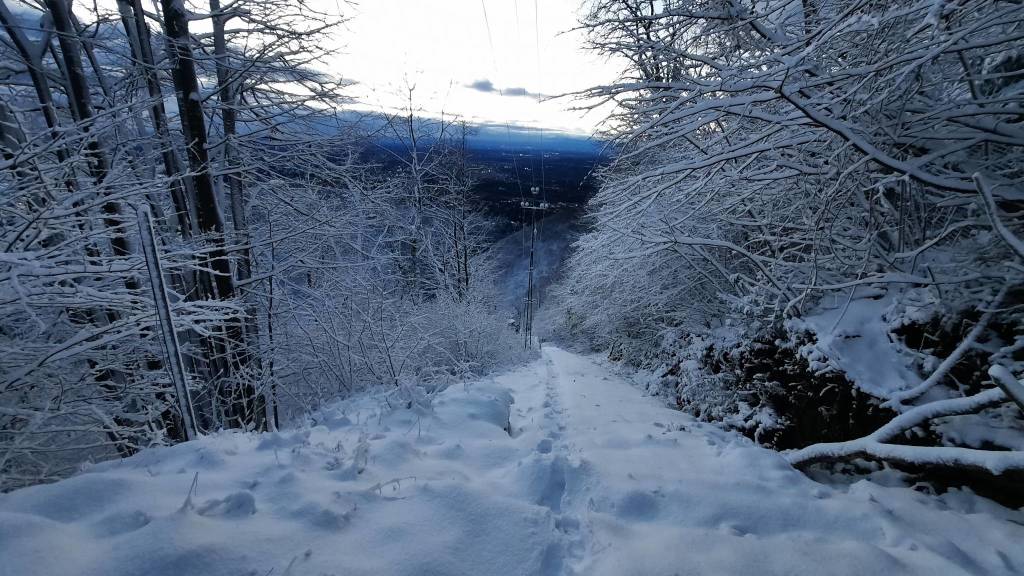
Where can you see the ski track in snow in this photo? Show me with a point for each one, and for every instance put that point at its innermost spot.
(557, 468)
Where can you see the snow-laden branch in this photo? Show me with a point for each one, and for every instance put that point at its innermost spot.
(994, 462)
(1011, 239)
(896, 400)
(874, 444)
(1013, 387)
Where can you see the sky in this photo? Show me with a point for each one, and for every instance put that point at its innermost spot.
(488, 61)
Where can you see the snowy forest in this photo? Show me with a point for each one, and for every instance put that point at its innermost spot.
(768, 317)
(186, 227)
(815, 222)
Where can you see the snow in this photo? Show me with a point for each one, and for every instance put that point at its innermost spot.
(994, 427)
(559, 467)
(853, 337)
(1013, 387)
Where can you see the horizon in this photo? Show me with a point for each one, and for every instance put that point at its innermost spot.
(512, 137)
(508, 64)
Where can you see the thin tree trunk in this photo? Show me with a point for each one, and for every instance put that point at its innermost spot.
(134, 20)
(243, 405)
(32, 55)
(79, 99)
(226, 94)
(175, 364)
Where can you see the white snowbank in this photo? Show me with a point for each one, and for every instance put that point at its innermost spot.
(593, 479)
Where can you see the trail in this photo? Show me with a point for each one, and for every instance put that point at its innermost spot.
(557, 468)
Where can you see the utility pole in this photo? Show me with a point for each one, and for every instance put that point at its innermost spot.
(175, 364)
(528, 307)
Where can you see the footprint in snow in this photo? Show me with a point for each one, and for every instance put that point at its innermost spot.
(121, 523)
(322, 517)
(235, 505)
(552, 562)
(638, 505)
(567, 524)
(453, 452)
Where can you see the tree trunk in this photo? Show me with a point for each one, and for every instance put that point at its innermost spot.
(243, 406)
(226, 94)
(134, 20)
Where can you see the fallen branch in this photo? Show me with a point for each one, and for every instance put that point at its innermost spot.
(874, 446)
(994, 462)
(1010, 385)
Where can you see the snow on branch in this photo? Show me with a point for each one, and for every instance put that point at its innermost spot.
(995, 462)
(1010, 385)
(874, 445)
(985, 189)
(939, 373)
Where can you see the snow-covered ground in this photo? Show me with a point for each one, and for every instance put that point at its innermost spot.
(559, 467)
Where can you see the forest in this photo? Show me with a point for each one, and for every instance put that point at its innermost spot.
(185, 228)
(767, 316)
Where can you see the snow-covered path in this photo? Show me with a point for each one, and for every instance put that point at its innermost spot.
(559, 467)
(656, 492)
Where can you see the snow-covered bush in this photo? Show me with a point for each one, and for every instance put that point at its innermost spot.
(389, 285)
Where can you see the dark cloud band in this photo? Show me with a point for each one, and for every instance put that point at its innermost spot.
(487, 86)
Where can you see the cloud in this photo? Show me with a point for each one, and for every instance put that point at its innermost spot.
(489, 87)
(482, 86)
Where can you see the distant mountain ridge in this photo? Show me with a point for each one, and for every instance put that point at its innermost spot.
(492, 137)
(529, 139)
